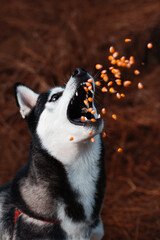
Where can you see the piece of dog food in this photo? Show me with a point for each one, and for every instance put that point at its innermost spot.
(92, 140)
(103, 111)
(114, 116)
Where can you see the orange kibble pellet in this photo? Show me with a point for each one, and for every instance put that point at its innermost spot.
(115, 71)
(118, 95)
(149, 45)
(110, 68)
(127, 83)
(98, 66)
(71, 138)
(92, 112)
(104, 89)
(112, 90)
(103, 111)
(92, 140)
(86, 103)
(110, 83)
(111, 49)
(110, 58)
(102, 75)
(104, 134)
(93, 120)
(88, 84)
(136, 72)
(127, 40)
(97, 83)
(83, 118)
(122, 95)
(119, 150)
(119, 63)
(128, 65)
(114, 116)
(90, 133)
(90, 99)
(118, 75)
(113, 61)
(103, 71)
(122, 59)
(118, 81)
(90, 80)
(105, 78)
(131, 60)
(90, 88)
(140, 85)
(86, 89)
(115, 54)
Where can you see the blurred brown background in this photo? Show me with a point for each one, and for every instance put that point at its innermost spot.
(41, 42)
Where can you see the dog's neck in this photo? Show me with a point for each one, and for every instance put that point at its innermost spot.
(47, 177)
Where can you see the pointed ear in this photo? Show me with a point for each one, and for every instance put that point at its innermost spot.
(26, 98)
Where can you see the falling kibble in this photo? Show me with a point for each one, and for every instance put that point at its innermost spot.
(90, 109)
(90, 99)
(127, 40)
(86, 89)
(98, 83)
(118, 81)
(92, 140)
(149, 45)
(104, 134)
(83, 118)
(103, 111)
(122, 95)
(114, 116)
(127, 83)
(90, 80)
(103, 71)
(119, 150)
(104, 89)
(140, 85)
(111, 49)
(90, 88)
(118, 95)
(93, 120)
(92, 112)
(112, 90)
(98, 66)
(86, 103)
(115, 54)
(110, 83)
(136, 72)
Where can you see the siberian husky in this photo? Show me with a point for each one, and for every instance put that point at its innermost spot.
(59, 193)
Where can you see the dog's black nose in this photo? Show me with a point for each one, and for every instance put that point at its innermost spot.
(78, 72)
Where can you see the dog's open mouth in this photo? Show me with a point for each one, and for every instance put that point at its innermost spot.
(80, 109)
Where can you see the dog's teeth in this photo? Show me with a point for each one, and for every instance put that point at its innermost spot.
(77, 94)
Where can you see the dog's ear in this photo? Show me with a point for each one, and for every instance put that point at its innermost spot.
(26, 98)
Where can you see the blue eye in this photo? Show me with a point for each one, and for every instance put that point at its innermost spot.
(55, 97)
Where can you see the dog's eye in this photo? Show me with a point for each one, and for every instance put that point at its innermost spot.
(55, 97)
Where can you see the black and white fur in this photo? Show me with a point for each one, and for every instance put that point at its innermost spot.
(63, 180)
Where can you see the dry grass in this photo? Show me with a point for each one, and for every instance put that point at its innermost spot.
(40, 44)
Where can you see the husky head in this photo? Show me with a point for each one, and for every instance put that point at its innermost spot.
(54, 117)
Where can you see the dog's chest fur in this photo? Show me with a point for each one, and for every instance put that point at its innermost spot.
(83, 175)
